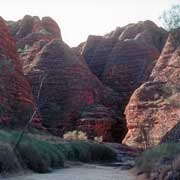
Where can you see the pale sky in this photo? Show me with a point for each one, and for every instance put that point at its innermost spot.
(80, 18)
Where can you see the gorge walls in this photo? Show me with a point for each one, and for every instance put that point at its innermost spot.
(88, 87)
(16, 97)
(153, 111)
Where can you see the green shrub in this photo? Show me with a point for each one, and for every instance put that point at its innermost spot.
(41, 156)
(102, 152)
(81, 151)
(8, 159)
(56, 156)
(91, 151)
(47, 155)
(67, 150)
(33, 158)
(149, 158)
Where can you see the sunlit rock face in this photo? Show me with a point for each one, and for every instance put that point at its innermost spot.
(15, 92)
(124, 58)
(153, 112)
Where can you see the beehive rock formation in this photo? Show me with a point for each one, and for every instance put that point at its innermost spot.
(153, 113)
(31, 33)
(31, 29)
(15, 92)
(68, 87)
(86, 87)
(124, 58)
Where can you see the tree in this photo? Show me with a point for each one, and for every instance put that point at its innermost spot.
(171, 17)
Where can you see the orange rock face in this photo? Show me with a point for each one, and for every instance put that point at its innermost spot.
(153, 112)
(15, 92)
(124, 58)
(31, 34)
(98, 120)
(69, 86)
(88, 87)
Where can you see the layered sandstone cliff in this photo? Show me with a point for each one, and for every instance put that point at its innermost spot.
(15, 92)
(31, 28)
(63, 85)
(87, 87)
(153, 112)
(68, 88)
(31, 33)
(124, 58)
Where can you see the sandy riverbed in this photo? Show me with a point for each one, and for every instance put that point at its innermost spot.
(84, 172)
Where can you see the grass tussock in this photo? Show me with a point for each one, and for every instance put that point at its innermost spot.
(8, 159)
(43, 156)
(163, 156)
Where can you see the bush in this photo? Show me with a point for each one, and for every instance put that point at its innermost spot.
(67, 150)
(102, 152)
(75, 135)
(8, 159)
(148, 159)
(98, 139)
(41, 156)
(46, 154)
(34, 158)
(81, 151)
(36, 155)
(87, 151)
(90, 151)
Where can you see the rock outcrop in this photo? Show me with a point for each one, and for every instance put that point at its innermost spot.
(67, 88)
(153, 113)
(66, 84)
(31, 29)
(124, 58)
(31, 33)
(15, 92)
(98, 120)
(87, 87)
